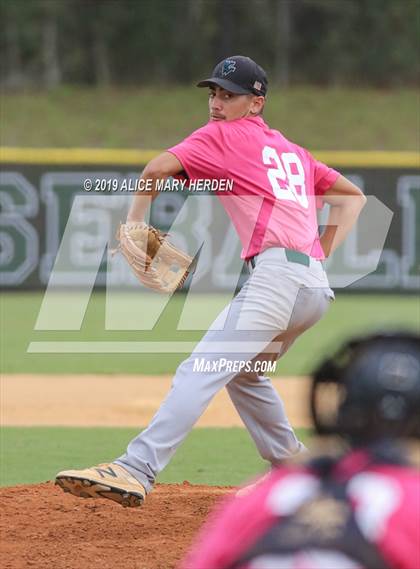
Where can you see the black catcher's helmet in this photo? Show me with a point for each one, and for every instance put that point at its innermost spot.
(369, 389)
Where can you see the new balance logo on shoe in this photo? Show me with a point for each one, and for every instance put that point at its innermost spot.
(104, 471)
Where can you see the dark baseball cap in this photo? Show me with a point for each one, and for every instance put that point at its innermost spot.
(238, 74)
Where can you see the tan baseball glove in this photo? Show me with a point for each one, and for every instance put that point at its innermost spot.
(156, 263)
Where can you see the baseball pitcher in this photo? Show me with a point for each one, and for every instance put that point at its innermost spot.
(277, 187)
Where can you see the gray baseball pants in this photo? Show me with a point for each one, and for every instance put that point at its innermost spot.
(279, 301)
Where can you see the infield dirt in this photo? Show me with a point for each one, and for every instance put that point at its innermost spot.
(42, 528)
(120, 400)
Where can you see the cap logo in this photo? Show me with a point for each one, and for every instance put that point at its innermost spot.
(229, 66)
(257, 85)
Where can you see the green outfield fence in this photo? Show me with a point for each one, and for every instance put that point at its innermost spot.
(38, 187)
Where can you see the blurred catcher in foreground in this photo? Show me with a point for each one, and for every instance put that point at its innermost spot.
(357, 506)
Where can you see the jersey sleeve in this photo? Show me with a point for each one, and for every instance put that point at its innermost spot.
(324, 176)
(400, 539)
(233, 526)
(202, 153)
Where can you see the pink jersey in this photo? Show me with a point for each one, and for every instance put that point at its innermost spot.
(275, 183)
(385, 498)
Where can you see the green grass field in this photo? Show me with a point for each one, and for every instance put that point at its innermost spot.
(348, 315)
(158, 117)
(209, 456)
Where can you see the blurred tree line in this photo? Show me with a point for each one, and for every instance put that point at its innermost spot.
(45, 43)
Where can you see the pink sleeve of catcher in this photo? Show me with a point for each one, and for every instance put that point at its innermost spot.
(235, 524)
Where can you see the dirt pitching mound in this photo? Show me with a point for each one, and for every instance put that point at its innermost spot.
(42, 527)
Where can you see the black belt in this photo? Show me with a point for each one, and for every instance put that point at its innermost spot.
(291, 256)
